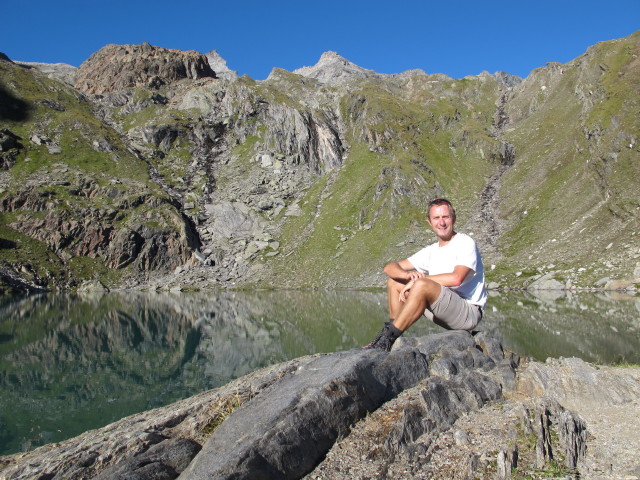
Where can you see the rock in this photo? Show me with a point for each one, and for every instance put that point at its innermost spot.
(92, 286)
(251, 250)
(117, 67)
(38, 139)
(293, 210)
(165, 459)
(8, 140)
(102, 145)
(546, 282)
(233, 220)
(60, 71)
(618, 284)
(265, 160)
(332, 68)
(274, 245)
(200, 257)
(287, 430)
(53, 105)
(219, 66)
(605, 398)
(461, 438)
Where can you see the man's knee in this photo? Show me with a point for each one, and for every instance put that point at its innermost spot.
(427, 288)
(394, 284)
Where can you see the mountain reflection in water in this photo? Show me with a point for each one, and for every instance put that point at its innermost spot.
(70, 363)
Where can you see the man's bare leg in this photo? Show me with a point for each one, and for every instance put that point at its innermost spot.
(394, 288)
(423, 293)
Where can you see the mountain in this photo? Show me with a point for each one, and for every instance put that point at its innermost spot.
(332, 68)
(219, 66)
(317, 177)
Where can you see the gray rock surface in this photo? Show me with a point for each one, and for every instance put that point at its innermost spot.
(333, 68)
(607, 399)
(286, 431)
(118, 67)
(219, 65)
(60, 71)
(445, 406)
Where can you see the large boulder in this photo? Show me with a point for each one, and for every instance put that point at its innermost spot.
(287, 430)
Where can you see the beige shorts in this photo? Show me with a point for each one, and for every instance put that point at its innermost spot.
(453, 312)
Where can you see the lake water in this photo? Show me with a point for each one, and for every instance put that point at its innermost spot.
(71, 363)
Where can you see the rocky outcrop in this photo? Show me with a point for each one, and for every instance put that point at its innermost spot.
(10, 146)
(118, 236)
(332, 68)
(59, 71)
(288, 429)
(445, 406)
(305, 137)
(219, 66)
(291, 416)
(561, 419)
(119, 67)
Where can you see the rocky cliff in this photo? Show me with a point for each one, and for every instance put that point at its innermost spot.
(78, 203)
(315, 177)
(118, 67)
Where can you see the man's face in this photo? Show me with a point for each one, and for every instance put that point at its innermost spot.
(441, 220)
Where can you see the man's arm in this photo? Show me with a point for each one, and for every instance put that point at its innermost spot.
(453, 279)
(402, 271)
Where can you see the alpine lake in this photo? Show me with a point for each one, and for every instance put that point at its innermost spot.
(70, 362)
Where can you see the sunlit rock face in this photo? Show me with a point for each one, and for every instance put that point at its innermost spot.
(119, 67)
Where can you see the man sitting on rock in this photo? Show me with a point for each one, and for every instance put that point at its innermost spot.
(444, 281)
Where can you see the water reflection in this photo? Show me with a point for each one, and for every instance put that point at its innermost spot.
(72, 363)
(599, 328)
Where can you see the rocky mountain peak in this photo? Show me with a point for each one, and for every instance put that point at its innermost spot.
(219, 65)
(118, 67)
(507, 79)
(333, 68)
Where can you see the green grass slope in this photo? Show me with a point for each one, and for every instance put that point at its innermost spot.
(571, 198)
(402, 153)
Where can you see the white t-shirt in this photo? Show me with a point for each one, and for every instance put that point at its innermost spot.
(461, 250)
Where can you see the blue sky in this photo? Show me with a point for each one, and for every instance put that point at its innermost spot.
(457, 38)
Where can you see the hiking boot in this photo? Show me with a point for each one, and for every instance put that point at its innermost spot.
(385, 338)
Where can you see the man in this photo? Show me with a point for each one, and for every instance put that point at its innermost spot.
(444, 281)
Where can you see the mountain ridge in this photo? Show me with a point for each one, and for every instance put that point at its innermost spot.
(257, 169)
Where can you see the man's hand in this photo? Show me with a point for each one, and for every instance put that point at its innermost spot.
(405, 291)
(414, 275)
(402, 271)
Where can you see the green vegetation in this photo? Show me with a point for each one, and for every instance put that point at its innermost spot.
(223, 408)
(574, 166)
(71, 165)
